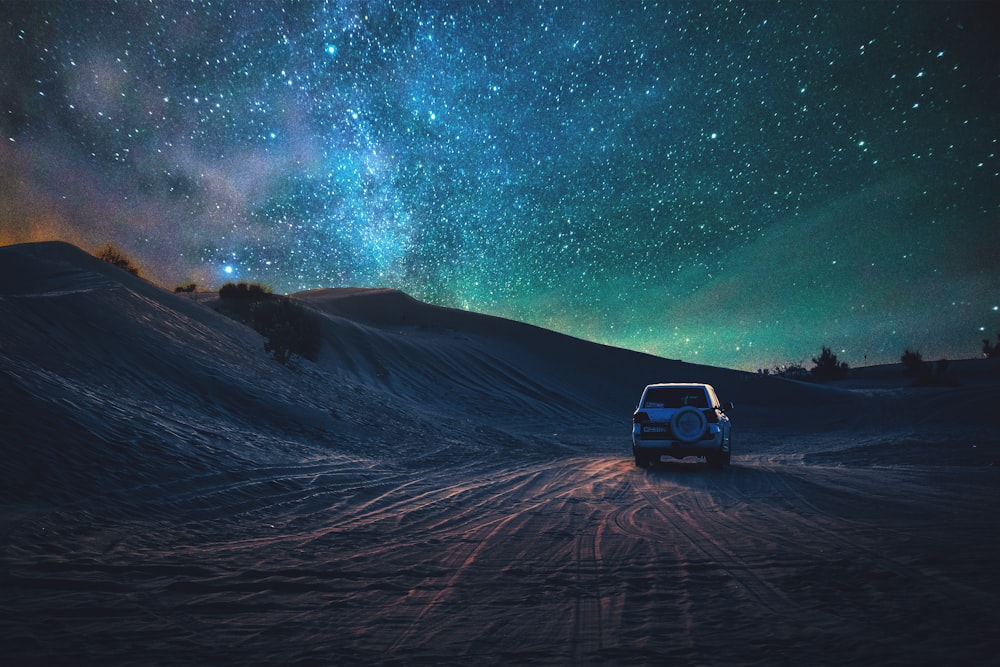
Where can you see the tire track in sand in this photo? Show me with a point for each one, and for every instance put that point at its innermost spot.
(573, 499)
(688, 524)
(594, 611)
(485, 526)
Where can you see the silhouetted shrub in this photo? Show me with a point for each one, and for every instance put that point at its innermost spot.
(827, 367)
(237, 300)
(288, 327)
(244, 291)
(190, 287)
(913, 362)
(915, 366)
(113, 255)
(792, 371)
(991, 350)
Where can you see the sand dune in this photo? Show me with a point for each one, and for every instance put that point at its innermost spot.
(442, 487)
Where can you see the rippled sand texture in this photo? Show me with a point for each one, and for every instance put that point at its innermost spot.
(445, 488)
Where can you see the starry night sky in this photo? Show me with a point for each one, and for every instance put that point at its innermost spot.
(733, 183)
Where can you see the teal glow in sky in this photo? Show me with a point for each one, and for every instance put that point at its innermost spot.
(727, 183)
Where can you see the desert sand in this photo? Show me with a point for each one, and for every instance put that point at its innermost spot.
(447, 488)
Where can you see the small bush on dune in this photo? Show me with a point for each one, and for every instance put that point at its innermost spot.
(113, 255)
(915, 367)
(827, 367)
(925, 374)
(237, 300)
(288, 327)
(792, 371)
(913, 362)
(244, 291)
(183, 289)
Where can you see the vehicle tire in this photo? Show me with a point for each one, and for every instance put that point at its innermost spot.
(688, 424)
(642, 461)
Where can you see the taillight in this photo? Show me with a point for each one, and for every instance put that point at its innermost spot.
(711, 416)
(640, 418)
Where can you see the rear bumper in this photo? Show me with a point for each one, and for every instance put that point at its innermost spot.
(711, 443)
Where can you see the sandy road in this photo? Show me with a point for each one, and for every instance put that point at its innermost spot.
(586, 560)
(591, 560)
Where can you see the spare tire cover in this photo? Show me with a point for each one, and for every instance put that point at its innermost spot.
(688, 424)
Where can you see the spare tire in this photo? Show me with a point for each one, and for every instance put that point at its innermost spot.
(688, 424)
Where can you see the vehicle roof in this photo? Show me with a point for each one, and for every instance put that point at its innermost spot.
(678, 384)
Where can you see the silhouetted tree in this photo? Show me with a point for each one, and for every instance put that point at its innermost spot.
(249, 292)
(288, 328)
(925, 374)
(113, 255)
(237, 300)
(827, 367)
(916, 367)
(913, 361)
(793, 370)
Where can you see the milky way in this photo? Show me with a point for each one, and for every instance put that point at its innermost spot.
(729, 183)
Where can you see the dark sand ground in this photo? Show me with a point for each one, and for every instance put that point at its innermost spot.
(447, 488)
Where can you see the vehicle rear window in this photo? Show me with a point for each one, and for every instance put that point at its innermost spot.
(675, 397)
